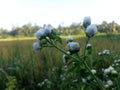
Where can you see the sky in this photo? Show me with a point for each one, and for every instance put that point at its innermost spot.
(56, 12)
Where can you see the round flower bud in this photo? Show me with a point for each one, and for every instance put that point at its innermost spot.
(86, 21)
(89, 46)
(91, 30)
(106, 71)
(106, 52)
(99, 53)
(40, 34)
(110, 68)
(73, 47)
(36, 46)
(47, 30)
(110, 82)
(69, 39)
(114, 72)
(93, 71)
(84, 80)
(106, 86)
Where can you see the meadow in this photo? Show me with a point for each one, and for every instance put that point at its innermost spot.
(23, 69)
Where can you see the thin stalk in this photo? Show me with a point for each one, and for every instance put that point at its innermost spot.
(87, 40)
(98, 82)
(63, 51)
(87, 67)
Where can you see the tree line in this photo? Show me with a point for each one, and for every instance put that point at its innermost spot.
(74, 28)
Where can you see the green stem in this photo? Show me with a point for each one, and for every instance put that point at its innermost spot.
(87, 67)
(98, 82)
(63, 51)
(84, 53)
(78, 59)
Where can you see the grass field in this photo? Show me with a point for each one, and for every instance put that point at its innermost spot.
(23, 69)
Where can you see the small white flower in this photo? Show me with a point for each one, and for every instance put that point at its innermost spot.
(84, 80)
(99, 53)
(86, 21)
(91, 30)
(106, 52)
(73, 47)
(110, 82)
(89, 77)
(36, 46)
(62, 76)
(75, 80)
(45, 80)
(93, 71)
(88, 45)
(111, 68)
(114, 72)
(113, 65)
(106, 86)
(40, 34)
(69, 39)
(68, 52)
(116, 64)
(106, 71)
(47, 29)
(118, 60)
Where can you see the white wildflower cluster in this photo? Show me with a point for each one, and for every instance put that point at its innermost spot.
(104, 52)
(110, 70)
(89, 78)
(45, 81)
(41, 34)
(54, 69)
(90, 29)
(108, 84)
(63, 77)
(116, 62)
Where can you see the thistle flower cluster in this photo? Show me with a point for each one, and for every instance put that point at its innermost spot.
(110, 70)
(108, 84)
(45, 37)
(90, 29)
(44, 82)
(41, 36)
(42, 33)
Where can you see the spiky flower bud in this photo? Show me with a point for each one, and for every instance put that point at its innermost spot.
(86, 21)
(73, 47)
(69, 39)
(36, 46)
(40, 34)
(91, 30)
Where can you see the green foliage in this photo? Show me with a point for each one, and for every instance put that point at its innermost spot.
(28, 70)
(11, 84)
